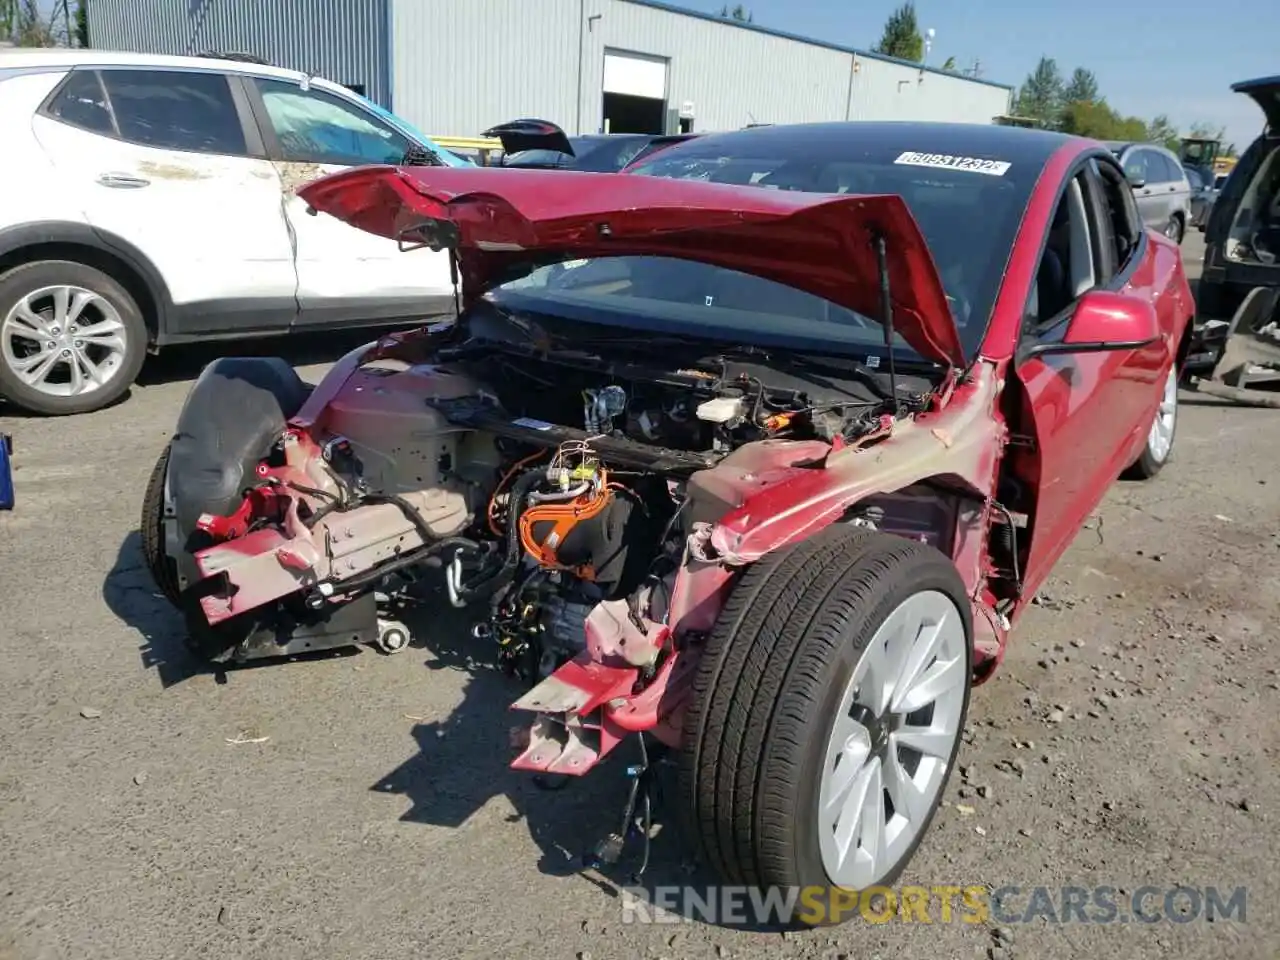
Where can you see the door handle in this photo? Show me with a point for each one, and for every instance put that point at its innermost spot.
(122, 180)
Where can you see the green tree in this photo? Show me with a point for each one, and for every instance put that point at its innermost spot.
(1161, 131)
(901, 37)
(1098, 120)
(950, 64)
(739, 12)
(1081, 88)
(21, 22)
(81, 24)
(1041, 94)
(1206, 131)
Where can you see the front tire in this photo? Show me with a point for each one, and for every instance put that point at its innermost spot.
(839, 668)
(72, 339)
(1174, 229)
(151, 531)
(1164, 425)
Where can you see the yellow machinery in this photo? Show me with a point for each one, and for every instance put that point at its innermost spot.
(483, 150)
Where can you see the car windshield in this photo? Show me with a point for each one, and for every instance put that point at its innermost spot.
(590, 154)
(969, 220)
(448, 158)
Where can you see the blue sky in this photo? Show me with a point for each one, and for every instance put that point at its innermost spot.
(1177, 57)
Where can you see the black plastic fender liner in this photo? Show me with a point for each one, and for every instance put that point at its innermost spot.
(235, 411)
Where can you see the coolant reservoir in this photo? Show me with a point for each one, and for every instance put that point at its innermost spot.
(722, 410)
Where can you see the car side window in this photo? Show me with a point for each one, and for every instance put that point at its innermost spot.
(1069, 265)
(1121, 228)
(1153, 164)
(185, 110)
(80, 102)
(1173, 169)
(313, 126)
(1136, 167)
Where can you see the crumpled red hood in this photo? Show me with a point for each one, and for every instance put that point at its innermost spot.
(819, 243)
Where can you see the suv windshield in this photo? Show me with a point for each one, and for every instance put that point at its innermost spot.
(969, 220)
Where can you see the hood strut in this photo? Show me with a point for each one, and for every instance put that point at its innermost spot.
(453, 279)
(435, 234)
(886, 311)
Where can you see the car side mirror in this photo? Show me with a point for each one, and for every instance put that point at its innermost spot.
(1135, 181)
(1102, 321)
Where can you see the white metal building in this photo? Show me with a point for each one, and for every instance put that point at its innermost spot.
(456, 67)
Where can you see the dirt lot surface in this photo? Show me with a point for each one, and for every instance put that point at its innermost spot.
(1130, 740)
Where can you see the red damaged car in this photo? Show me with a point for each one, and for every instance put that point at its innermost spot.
(757, 449)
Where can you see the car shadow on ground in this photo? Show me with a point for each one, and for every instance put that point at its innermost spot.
(463, 763)
(463, 760)
(130, 593)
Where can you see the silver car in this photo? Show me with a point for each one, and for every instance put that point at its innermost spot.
(1159, 185)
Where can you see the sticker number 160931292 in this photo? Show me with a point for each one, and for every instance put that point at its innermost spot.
(945, 161)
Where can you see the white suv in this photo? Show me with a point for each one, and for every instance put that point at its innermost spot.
(150, 200)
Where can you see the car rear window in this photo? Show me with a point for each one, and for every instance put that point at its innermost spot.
(81, 103)
(175, 110)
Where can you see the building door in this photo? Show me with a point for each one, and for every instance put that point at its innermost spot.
(635, 93)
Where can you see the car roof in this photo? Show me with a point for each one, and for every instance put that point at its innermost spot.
(1121, 145)
(612, 137)
(43, 58)
(989, 141)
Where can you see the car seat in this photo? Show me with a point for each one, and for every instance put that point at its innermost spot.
(1052, 291)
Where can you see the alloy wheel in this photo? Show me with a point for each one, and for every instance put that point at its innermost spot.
(895, 733)
(63, 341)
(1160, 438)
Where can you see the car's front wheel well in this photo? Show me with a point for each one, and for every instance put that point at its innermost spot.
(115, 267)
(1184, 345)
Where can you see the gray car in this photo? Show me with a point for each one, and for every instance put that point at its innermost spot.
(1159, 185)
(1203, 196)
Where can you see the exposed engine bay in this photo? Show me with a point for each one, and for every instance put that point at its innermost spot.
(543, 483)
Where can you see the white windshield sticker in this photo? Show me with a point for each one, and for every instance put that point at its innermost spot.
(532, 424)
(945, 161)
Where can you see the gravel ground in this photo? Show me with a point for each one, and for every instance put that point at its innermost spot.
(1130, 740)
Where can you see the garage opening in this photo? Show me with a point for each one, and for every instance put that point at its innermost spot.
(635, 93)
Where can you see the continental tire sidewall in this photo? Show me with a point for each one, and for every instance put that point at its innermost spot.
(922, 573)
(151, 530)
(766, 690)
